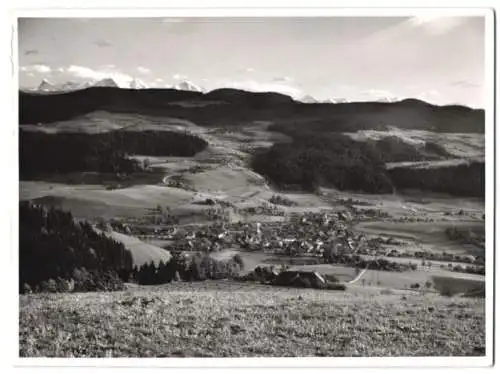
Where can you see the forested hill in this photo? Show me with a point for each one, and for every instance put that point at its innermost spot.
(231, 106)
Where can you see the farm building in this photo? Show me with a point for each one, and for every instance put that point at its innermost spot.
(299, 278)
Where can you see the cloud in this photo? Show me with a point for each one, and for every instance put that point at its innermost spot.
(143, 70)
(87, 73)
(408, 28)
(429, 96)
(101, 43)
(37, 68)
(159, 80)
(283, 79)
(247, 70)
(179, 76)
(251, 85)
(378, 94)
(433, 93)
(31, 52)
(436, 24)
(169, 20)
(464, 84)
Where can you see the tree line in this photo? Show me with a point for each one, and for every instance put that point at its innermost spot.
(459, 180)
(40, 152)
(198, 267)
(53, 246)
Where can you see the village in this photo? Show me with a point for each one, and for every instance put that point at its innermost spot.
(325, 237)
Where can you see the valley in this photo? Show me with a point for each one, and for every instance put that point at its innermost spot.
(403, 257)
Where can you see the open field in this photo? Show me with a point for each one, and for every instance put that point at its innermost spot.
(90, 201)
(345, 274)
(218, 319)
(142, 252)
(430, 236)
(458, 145)
(103, 121)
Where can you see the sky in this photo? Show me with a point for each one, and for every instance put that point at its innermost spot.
(437, 59)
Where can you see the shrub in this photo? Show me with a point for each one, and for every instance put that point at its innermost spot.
(239, 260)
(48, 285)
(95, 280)
(26, 288)
(280, 200)
(64, 285)
(108, 281)
(458, 268)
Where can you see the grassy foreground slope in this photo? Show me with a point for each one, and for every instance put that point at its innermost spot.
(229, 319)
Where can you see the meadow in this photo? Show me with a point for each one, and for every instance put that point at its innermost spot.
(228, 319)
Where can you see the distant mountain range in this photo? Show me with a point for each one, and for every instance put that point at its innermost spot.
(46, 86)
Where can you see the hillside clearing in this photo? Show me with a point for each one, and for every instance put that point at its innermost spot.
(142, 252)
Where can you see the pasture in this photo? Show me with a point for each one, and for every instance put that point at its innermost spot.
(222, 319)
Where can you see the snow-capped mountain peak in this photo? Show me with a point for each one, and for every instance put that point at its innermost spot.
(308, 99)
(137, 84)
(188, 86)
(106, 82)
(45, 85)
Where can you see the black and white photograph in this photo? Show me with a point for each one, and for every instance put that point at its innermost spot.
(282, 185)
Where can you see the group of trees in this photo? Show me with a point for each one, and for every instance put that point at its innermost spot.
(466, 236)
(196, 268)
(40, 152)
(52, 246)
(152, 273)
(324, 159)
(331, 257)
(332, 159)
(458, 180)
(395, 149)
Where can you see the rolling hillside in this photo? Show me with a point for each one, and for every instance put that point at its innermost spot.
(231, 106)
